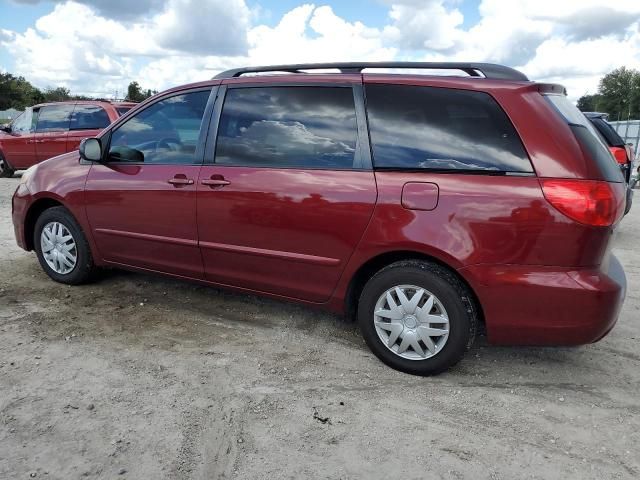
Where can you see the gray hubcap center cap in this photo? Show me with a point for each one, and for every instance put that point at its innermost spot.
(410, 321)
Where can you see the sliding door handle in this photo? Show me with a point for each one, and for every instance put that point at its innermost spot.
(216, 182)
(180, 181)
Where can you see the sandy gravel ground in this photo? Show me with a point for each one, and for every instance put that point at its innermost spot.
(141, 377)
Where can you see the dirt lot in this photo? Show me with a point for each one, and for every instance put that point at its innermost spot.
(146, 378)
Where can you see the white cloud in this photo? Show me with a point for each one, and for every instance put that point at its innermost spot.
(571, 42)
(429, 24)
(211, 27)
(95, 46)
(117, 9)
(315, 34)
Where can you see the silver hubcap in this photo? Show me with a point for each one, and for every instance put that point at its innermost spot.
(2, 165)
(411, 322)
(58, 248)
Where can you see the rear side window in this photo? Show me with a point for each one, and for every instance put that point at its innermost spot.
(122, 110)
(441, 129)
(89, 117)
(54, 118)
(588, 137)
(303, 127)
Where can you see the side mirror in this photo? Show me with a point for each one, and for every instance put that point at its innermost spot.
(6, 128)
(91, 150)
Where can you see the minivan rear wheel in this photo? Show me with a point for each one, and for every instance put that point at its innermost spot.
(5, 169)
(417, 317)
(62, 248)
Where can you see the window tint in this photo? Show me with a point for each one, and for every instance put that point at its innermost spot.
(443, 129)
(89, 117)
(306, 127)
(54, 118)
(165, 132)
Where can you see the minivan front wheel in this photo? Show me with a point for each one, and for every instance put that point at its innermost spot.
(417, 317)
(62, 248)
(5, 169)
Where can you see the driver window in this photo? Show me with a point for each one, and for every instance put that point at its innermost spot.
(23, 122)
(165, 133)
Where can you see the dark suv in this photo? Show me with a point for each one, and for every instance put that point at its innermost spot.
(426, 206)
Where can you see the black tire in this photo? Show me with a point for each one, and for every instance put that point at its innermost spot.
(84, 268)
(449, 290)
(5, 169)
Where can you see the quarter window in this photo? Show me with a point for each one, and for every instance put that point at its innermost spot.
(166, 132)
(441, 129)
(303, 127)
(54, 118)
(89, 117)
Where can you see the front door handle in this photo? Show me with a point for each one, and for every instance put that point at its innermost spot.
(216, 182)
(180, 180)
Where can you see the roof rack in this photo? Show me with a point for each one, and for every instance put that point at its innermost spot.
(486, 70)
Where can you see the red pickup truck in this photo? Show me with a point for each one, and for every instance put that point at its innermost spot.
(51, 129)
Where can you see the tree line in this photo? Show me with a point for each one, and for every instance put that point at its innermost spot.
(618, 95)
(16, 92)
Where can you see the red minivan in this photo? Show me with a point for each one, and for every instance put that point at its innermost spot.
(51, 129)
(429, 207)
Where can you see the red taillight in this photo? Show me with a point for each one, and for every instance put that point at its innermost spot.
(590, 202)
(620, 154)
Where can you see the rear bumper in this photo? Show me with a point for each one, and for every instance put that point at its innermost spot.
(529, 305)
(19, 207)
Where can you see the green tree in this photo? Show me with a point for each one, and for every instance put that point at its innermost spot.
(18, 93)
(136, 94)
(589, 103)
(620, 94)
(58, 94)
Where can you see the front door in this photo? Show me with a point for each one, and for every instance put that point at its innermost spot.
(17, 146)
(287, 199)
(141, 202)
(52, 128)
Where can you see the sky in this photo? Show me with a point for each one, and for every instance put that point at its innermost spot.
(96, 47)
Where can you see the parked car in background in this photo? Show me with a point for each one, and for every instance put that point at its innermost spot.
(622, 152)
(123, 107)
(50, 129)
(438, 204)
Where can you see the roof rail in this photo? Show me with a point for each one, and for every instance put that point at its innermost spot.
(488, 70)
